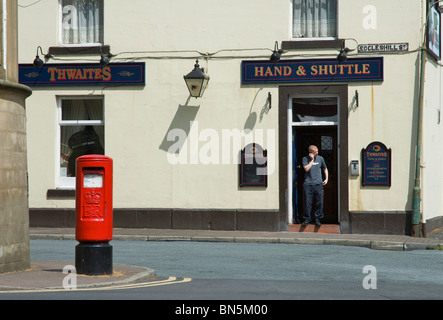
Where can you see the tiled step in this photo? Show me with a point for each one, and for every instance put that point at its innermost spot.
(324, 228)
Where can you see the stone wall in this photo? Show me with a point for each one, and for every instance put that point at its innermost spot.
(14, 213)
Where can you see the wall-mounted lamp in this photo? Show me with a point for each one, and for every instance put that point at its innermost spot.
(342, 56)
(275, 56)
(104, 61)
(39, 62)
(196, 81)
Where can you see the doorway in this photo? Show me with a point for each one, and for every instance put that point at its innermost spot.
(314, 121)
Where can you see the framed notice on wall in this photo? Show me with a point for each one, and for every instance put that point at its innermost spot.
(253, 170)
(433, 29)
(376, 160)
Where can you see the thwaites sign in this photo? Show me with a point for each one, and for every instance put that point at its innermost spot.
(376, 159)
(91, 74)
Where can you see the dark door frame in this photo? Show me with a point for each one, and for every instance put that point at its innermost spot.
(284, 94)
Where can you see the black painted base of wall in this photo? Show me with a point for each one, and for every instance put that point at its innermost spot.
(391, 222)
(248, 220)
(381, 222)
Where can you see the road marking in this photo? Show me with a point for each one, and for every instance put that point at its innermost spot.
(170, 280)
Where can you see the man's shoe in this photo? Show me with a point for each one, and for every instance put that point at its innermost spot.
(317, 223)
(305, 223)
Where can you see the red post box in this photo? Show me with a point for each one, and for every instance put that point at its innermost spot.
(93, 210)
(94, 199)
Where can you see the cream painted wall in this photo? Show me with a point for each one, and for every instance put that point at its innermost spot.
(385, 114)
(138, 119)
(432, 154)
(386, 109)
(391, 116)
(136, 125)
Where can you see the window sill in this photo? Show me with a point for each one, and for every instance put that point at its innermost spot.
(60, 193)
(88, 49)
(313, 44)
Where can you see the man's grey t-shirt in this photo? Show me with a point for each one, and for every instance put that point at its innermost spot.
(314, 176)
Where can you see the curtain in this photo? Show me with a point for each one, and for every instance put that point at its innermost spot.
(314, 18)
(95, 112)
(70, 111)
(82, 21)
(82, 110)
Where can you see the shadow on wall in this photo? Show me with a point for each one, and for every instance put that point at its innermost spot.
(183, 118)
(251, 120)
(185, 115)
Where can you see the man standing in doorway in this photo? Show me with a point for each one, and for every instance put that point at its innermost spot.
(313, 192)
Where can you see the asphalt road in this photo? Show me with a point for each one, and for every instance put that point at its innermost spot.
(250, 271)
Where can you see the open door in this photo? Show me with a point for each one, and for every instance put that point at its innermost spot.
(325, 138)
(314, 121)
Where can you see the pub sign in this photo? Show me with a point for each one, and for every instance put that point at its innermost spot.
(376, 160)
(253, 166)
(80, 74)
(313, 70)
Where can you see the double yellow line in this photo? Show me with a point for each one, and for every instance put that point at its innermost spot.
(170, 280)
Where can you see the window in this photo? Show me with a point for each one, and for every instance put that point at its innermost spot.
(81, 22)
(81, 124)
(311, 111)
(314, 19)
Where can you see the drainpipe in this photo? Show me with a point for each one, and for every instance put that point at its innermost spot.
(416, 218)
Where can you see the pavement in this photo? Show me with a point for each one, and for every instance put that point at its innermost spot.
(51, 276)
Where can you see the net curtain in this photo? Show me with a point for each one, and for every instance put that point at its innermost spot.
(314, 18)
(82, 21)
(80, 110)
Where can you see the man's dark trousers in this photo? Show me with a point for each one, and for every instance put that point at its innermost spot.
(313, 194)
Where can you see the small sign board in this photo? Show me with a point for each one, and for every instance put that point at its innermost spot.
(253, 166)
(383, 47)
(376, 160)
(433, 29)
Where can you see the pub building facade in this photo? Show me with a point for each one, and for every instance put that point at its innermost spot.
(362, 82)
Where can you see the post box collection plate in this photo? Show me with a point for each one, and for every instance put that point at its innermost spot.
(93, 181)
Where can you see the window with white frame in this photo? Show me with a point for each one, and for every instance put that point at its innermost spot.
(314, 19)
(81, 126)
(81, 22)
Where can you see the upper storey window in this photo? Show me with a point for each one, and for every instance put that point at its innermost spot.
(81, 22)
(314, 19)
